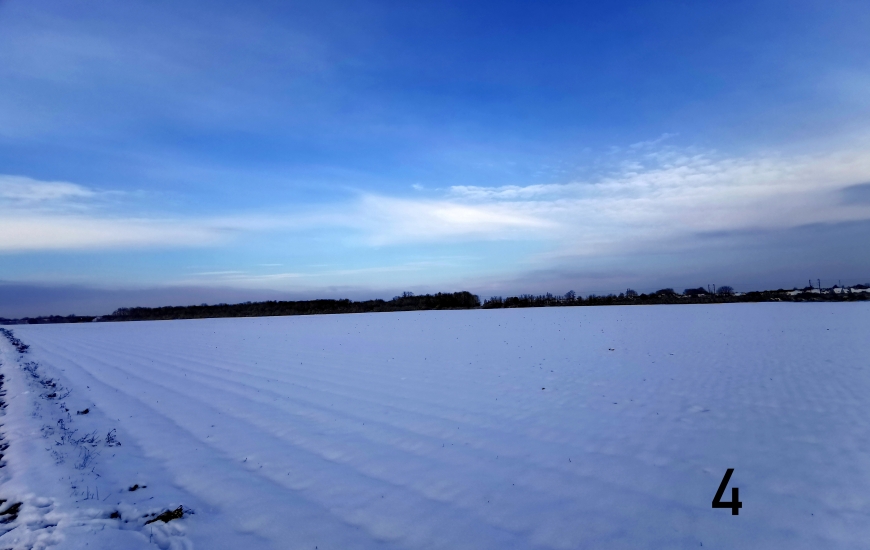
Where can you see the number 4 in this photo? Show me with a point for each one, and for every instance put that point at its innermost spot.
(735, 503)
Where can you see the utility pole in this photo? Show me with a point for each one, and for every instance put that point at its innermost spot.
(820, 285)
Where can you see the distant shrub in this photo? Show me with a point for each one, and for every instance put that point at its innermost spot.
(493, 302)
(700, 291)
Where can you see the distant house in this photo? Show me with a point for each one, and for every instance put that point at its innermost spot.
(695, 291)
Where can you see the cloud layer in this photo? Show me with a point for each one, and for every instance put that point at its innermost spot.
(661, 195)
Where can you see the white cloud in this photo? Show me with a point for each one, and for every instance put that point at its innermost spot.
(57, 232)
(673, 193)
(20, 189)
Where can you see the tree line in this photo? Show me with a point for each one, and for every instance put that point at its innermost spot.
(408, 301)
(700, 295)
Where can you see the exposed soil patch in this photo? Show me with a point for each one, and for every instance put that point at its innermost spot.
(168, 515)
(10, 514)
(18, 344)
(3, 444)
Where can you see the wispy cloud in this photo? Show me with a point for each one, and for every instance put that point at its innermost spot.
(212, 273)
(246, 278)
(50, 215)
(314, 277)
(652, 142)
(28, 191)
(23, 232)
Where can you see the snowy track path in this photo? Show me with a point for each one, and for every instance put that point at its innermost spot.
(545, 428)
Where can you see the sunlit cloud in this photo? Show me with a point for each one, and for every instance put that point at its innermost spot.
(672, 192)
(387, 220)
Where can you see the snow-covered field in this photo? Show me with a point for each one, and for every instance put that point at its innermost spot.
(569, 428)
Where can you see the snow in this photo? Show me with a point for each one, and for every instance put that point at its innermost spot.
(582, 427)
(837, 290)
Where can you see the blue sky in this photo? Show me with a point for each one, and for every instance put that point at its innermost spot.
(217, 151)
